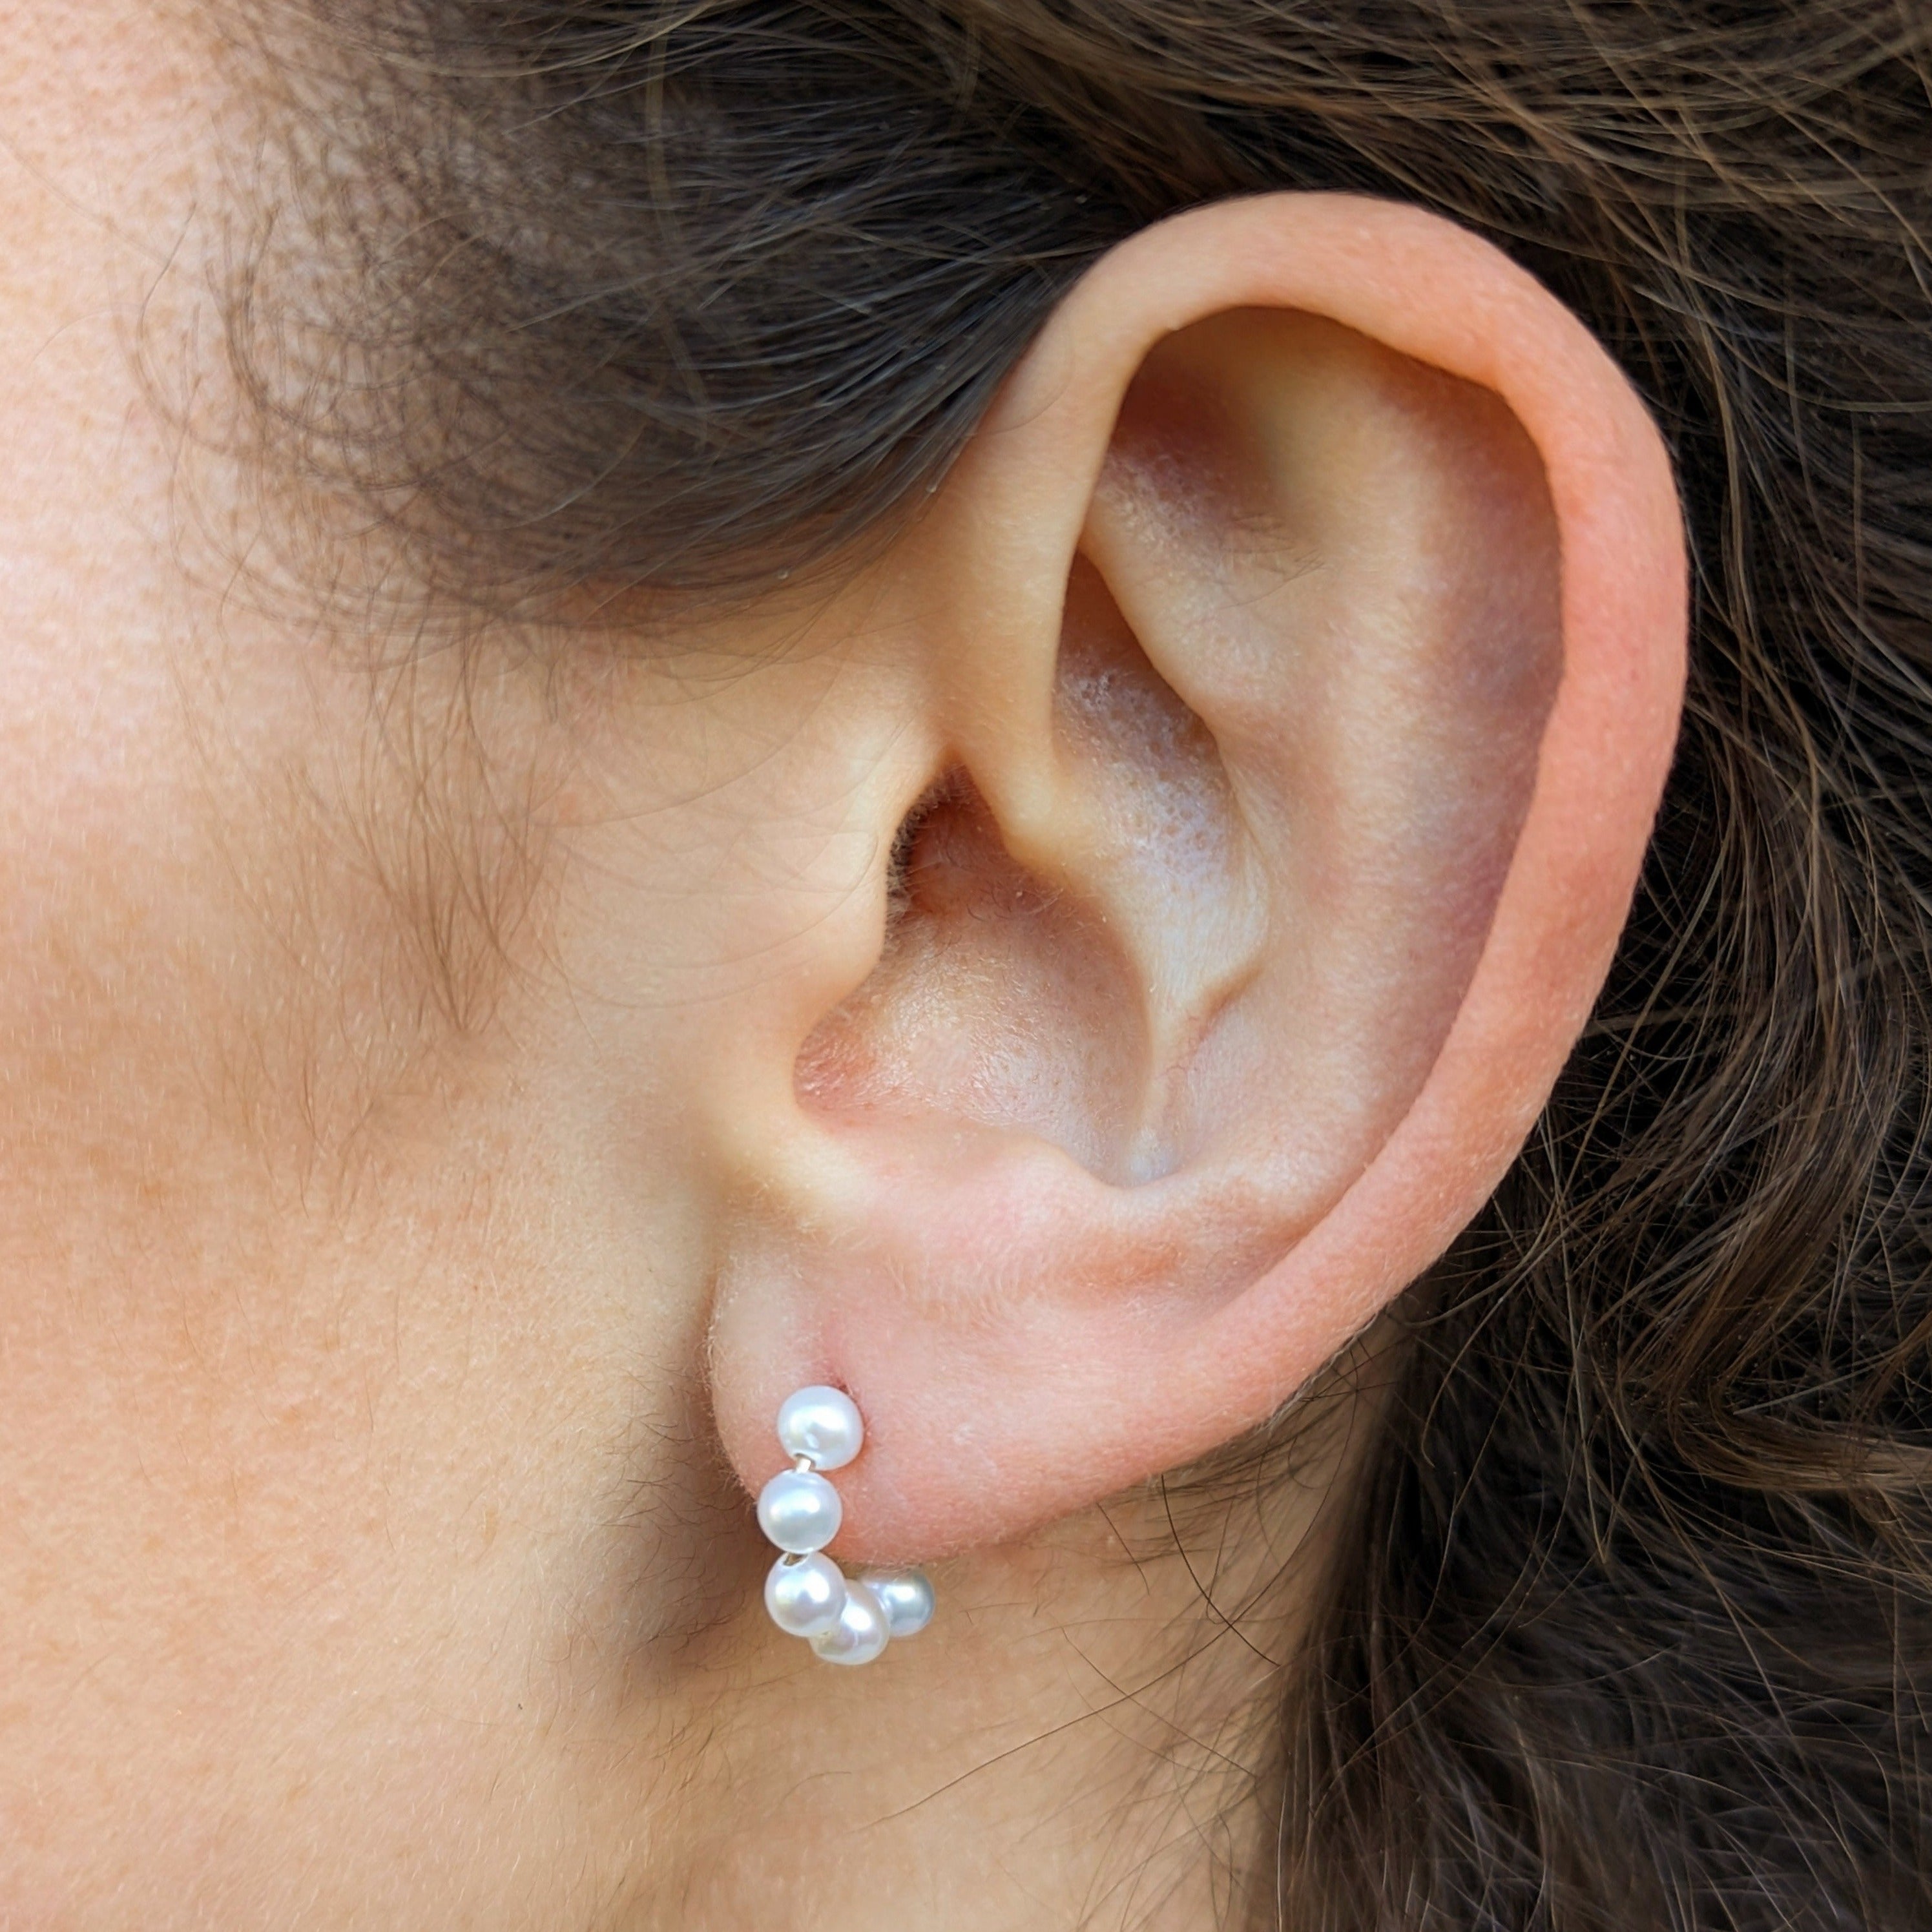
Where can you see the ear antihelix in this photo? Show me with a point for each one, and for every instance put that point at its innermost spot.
(846, 1620)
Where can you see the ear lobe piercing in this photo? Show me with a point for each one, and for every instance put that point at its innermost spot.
(845, 1620)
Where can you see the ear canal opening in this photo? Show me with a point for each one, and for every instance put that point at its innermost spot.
(913, 860)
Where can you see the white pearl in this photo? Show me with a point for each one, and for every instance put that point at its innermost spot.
(799, 1511)
(823, 1423)
(905, 1596)
(805, 1594)
(861, 1633)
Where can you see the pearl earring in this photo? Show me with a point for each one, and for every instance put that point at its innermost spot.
(846, 1621)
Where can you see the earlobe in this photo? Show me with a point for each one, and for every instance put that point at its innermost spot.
(1307, 629)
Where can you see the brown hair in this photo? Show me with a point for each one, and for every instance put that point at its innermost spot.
(1635, 1623)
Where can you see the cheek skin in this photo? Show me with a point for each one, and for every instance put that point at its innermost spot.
(306, 1483)
(326, 1367)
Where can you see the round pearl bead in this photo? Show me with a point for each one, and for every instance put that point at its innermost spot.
(799, 1511)
(861, 1633)
(823, 1423)
(805, 1594)
(906, 1597)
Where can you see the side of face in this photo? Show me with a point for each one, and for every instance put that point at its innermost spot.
(1058, 980)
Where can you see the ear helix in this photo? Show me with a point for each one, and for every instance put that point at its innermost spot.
(845, 1620)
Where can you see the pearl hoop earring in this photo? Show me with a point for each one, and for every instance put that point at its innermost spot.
(845, 1620)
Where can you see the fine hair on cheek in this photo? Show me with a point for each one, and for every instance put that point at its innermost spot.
(393, 828)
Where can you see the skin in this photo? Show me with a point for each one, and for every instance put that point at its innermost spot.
(451, 1097)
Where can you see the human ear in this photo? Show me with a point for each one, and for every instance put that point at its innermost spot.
(1303, 643)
